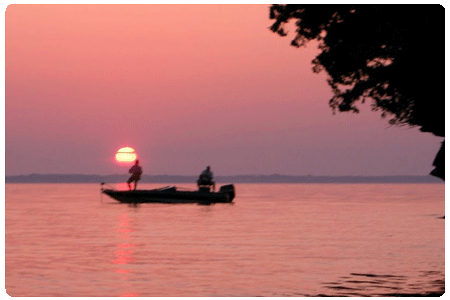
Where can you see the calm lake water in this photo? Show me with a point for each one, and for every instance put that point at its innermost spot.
(274, 240)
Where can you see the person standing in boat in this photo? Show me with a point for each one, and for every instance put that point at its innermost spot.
(136, 172)
(206, 177)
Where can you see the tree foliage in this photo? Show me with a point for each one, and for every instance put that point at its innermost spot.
(392, 55)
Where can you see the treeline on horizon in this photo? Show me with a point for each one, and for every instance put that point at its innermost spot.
(275, 178)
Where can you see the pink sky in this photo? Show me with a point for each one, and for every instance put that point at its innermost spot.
(186, 86)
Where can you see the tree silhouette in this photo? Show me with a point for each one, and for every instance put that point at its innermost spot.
(392, 55)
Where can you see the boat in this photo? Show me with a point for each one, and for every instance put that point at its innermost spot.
(172, 194)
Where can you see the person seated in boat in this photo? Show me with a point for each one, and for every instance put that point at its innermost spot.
(136, 172)
(205, 178)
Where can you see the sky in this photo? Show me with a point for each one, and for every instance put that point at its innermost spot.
(186, 86)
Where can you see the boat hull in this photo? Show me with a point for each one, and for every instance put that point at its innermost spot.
(226, 194)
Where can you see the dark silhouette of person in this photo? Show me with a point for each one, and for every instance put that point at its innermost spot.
(206, 178)
(136, 172)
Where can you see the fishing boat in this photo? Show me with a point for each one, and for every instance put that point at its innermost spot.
(172, 194)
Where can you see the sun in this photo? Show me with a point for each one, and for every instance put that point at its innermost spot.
(126, 154)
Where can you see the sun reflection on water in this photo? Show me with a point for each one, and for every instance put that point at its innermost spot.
(124, 254)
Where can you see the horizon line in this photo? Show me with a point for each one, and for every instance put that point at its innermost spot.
(273, 178)
(179, 175)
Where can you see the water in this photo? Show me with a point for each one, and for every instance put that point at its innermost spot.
(275, 240)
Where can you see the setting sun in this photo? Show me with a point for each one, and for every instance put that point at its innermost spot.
(126, 154)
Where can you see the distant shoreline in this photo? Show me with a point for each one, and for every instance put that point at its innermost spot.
(275, 178)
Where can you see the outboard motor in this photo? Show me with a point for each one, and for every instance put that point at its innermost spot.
(229, 189)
